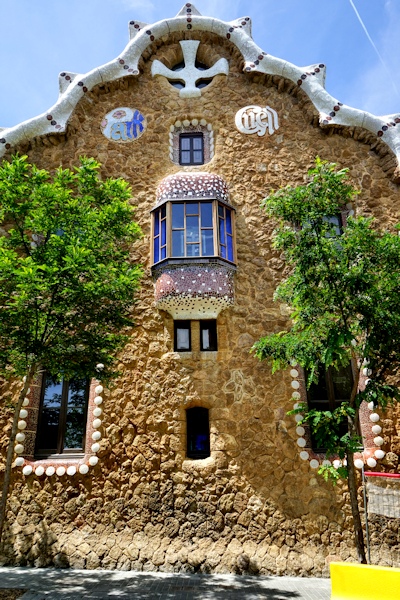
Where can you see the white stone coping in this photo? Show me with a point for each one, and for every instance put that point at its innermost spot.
(311, 79)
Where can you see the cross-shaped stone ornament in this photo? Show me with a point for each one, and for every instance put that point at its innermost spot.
(190, 74)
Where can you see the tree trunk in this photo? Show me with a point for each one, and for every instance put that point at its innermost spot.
(10, 449)
(358, 530)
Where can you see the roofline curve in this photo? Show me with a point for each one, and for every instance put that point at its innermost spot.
(311, 79)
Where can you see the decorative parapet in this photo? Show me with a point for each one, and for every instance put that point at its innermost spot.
(311, 79)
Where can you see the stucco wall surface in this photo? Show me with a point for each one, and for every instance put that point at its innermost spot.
(254, 505)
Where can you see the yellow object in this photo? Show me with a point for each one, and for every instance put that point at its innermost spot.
(364, 582)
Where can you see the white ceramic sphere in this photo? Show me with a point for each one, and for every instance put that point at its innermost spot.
(195, 122)
(336, 463)
(296, 406)
(25, 402)
(314, 463)
(100, 366)
(83, 469)
(294, 373)
(20, 436)
(300, 431)
(371, 462)
(209, 127)
(50, 471)
(97, 412)
(371, 405)
(358, 463)
(27, 470)
(327, 463)
(296, 396)
(186, 123)
(378, 440)
(97, 423)
(96, 435)
(23, 413)
(304, 455)
(24, 379)
(60, 471)
(301, 442)
(203, 122)
(19, 461)
(98, 400)
(21, 424)
(379, 454)
(172, 128)
(93, 460)
(39, 471)
(98, 389)
(367, 372)
(28, 391)
(374, 417)
(298, 418)
(19, 449)
(71, 470)
(376, 429)
(95, 447)
(295, 385)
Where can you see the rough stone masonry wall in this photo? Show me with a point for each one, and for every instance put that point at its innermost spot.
(253, 506)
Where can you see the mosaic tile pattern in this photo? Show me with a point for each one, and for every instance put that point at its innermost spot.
(194, 291)
(188, 186)
(311, 79)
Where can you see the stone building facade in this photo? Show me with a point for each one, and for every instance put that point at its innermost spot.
(202, 123)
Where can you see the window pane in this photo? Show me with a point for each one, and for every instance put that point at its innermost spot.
(208, 335)
(185, 143)
(163, 252)
(222, 231)
(220, 210)
(157, 223)
(222, 251)
(185, 157)
(206, 214)
(182, 341)
(197, 143)
(198, 157)
(156, 249)
(318, 392)
(229, 242)
(205, 339)
(178, 248)
(163, 211)
(75, 418)
(192, 208)
(163, 233)
(228, 220)
(50, 416)
(342, 382)
(193, 250)
(207, 242)
(192, 229)
(178, 216)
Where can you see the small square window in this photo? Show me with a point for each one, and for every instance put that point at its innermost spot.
(182, 335)
(191, 149)
(198, 433)
(208, 335)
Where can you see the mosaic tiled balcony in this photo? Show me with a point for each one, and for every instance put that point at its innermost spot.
(193, 251)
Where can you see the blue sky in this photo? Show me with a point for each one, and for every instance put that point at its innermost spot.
(40, 38)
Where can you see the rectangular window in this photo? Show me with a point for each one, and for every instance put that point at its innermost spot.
(160, 234)
(62, 416)
(334, 387)
(208, 335)
(182, 335)
(191, 149)
(198, 433)
(225, 230)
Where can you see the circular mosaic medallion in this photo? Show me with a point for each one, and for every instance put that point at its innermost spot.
(123, 124)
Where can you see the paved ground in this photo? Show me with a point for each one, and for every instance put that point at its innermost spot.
(68, 584)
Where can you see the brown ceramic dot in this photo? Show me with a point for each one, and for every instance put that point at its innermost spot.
(260, 57)
(380, 133)
(121, 61)
(336, 108)
(189, 19)
(67, 77)
(8, 146)
(137, 26)
(152, 38)
(317, 70)
(397, 120)
(49, 117)
(85, 88)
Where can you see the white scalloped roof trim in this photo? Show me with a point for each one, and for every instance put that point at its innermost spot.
(312, 79)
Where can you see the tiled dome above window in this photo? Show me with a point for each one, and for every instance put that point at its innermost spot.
(189, 186)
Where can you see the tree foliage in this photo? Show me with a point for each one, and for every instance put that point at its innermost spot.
(344, 289)
(66, 282)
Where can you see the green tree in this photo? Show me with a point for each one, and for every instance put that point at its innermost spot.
(67, 285)
(344, 290)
